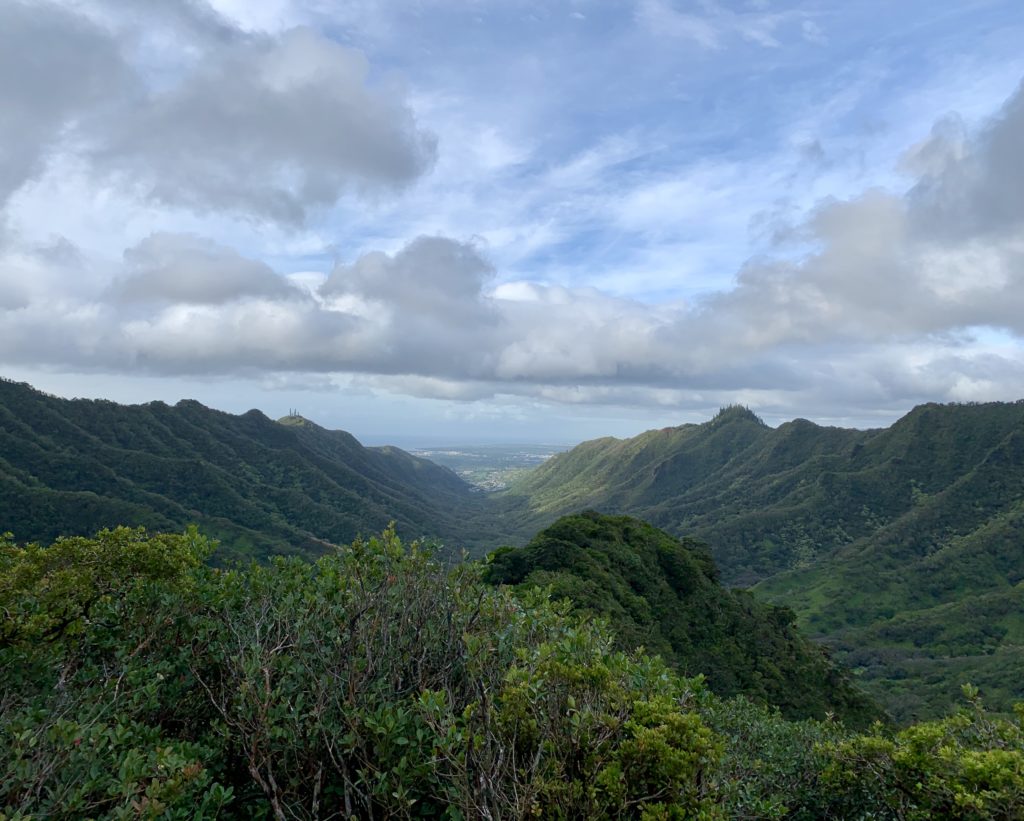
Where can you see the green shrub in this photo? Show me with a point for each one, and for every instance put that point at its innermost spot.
(967, 766)
(375, 682)
(136, 682)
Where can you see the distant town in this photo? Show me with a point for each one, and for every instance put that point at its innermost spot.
(490, 468)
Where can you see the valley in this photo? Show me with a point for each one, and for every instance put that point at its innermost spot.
(814, 598)
(490, 468)
(900, 549)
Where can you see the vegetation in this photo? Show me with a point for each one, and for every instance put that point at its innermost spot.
(899, 549)
(138, 682)
(774, 499)
(902, 548)
(260, 486)
(663, 594)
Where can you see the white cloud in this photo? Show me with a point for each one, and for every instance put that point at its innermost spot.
(879, 274)
(183, 268)
(58, 73)
(972, 187)
(268, 127)
(603, 269)
(265, 126)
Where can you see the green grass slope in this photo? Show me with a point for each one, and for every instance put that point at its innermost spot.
(935, 598)
(902, 547)
(73, 466)
(663, 594)
(771, 500)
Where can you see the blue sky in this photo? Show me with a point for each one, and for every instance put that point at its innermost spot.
(537, 221)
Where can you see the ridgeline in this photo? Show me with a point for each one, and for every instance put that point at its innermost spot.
(261, 487)
(663, 594)
(902, 547)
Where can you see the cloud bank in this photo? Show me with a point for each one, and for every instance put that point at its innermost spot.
(889, 296)
(886, 270)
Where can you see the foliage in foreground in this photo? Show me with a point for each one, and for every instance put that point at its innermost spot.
(663, 593)
(137, 682)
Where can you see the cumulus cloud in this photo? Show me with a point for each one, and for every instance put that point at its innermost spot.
(427, 302)
(258, 125)
(430, 276)
(248, 337)
(947, 255)
(270, 127)
(58, 73)
(971, 187)
(54, 275)
(897, 297)
(184, 268)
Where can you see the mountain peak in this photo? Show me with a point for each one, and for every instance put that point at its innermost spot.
(736, 413)
(295, 420)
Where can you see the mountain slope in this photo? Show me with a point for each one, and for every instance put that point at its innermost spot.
(769, 500)
(933, 599)
(875, 538)
(75, 466)
(663, 594)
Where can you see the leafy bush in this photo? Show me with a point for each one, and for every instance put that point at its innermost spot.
(663, 594)
(137, 682)
(373, 683)
(968, 766)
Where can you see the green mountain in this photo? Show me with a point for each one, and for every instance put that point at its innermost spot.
(260, 486)
(903, 547)
(900, 548)
(934, 597)
(769, 500)
(663, 594)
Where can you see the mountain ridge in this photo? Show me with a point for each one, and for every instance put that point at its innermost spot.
(663, 593)
(689, 479)
(873, 538)
(852, 529)
(75, 466)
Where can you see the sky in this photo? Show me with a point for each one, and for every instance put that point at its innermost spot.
(456, 221)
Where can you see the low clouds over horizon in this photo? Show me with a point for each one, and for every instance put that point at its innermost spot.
(293, 215)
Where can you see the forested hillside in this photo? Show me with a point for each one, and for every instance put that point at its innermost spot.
(773, 499)
(663, 594)
(138, 682)
(903, 547)
(260, 486)
(934, 597)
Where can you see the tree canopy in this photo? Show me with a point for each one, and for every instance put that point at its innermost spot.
(137, 681)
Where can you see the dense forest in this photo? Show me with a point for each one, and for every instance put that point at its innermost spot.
(260, 486)
(902, 547)
(898, 550)
(775, 499)
(663, 594)
(139, 681)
